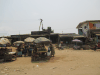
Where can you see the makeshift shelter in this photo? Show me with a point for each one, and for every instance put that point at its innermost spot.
(77, 44)
(4, 41)
(42, 40)
(39, 49)
(6, 52)
(76, 40)
(29, 39)
(18, 42)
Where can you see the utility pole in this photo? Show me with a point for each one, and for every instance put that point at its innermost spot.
(19, 36)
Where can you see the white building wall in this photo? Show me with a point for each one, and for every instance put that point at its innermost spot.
(85, 28)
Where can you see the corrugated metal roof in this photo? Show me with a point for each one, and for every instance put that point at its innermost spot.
(74, 35)
(79, 36)
(98, 34)
(80, 24)
(37, 35)
(53, 33)
(61, 33)
(23, 34)
(65, 36)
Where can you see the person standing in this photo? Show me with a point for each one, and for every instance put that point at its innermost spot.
(25, 51)
(59, 46)
(52, 50)
(48, 53)
(29, 50)
(96, 45)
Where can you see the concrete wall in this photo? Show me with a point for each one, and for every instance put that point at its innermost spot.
(94, 25)
(85, 28)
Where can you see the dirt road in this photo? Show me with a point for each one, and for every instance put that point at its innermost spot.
(65, 62)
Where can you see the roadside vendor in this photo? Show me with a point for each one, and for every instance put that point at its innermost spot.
(23, 48)
(52, 50)
(48, 49)
(29, 50)
(43, 48)
(19, 47)
(96, 45)
(59, 46)
(48, 53)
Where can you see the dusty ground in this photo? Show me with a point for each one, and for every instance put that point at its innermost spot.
(65, 62)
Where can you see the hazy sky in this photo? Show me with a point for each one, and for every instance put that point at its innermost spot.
(62, 15)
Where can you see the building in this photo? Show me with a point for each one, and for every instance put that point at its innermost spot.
(44, 32)
(34, 34)
(65, 37)
(90, 29)
(48, 33)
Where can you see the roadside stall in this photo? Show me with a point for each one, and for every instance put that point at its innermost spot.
(39, 49)
(8, 43)
(77, 44)
(29, 40)
(6, 52)
(17, 43)
(20, 47)
(29, 45)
